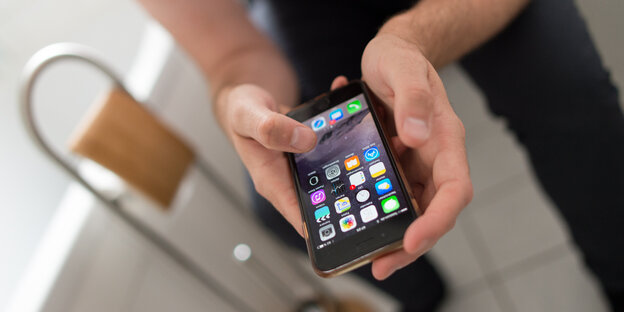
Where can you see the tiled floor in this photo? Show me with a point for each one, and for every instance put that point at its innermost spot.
(492, 263)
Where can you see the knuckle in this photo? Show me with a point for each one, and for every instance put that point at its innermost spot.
(264, 130)
(419, 95)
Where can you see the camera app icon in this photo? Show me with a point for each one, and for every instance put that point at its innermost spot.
(327, 232)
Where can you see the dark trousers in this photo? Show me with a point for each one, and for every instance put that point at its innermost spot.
(542, 74)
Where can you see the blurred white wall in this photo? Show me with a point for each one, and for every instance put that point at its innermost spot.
(30, 187)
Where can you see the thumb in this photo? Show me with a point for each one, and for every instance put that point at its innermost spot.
(253, 118)
(413, 109)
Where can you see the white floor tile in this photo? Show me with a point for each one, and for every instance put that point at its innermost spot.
(605, 22)
(167, 288)
(111, 280)
(493, 155)
(560, 285)
(517, 224)
(466, 100)
(480, 301)
(455, 257)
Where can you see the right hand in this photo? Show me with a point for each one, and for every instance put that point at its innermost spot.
(261, 134)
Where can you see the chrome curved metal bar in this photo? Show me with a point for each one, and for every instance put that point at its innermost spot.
(66, 51)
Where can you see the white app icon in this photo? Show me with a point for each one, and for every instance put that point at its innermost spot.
(362, 196)
(368, 214)
(332, 172)
(318, 123)
(357, 178)
(327, 232)
(377, 169)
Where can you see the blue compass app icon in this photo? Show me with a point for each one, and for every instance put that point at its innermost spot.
(371, 154)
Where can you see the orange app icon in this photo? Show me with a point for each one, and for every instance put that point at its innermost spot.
(352, 163)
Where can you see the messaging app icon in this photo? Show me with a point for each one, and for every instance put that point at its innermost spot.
(354, 106)
(383, 187)
(390, 204)
(352, 163)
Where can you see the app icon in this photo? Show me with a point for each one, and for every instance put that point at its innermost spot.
(354, 106)
(332, 172)
(357, 179)
(327, 232)
(384, 186)
(368, 214)
(338, 188)
(313, 180)
(342, 205)
(321, 214)
(318, 123)
(377, 169)
(390, 204)
(348, 223)
(371, 153)
(335, 115)
(317, 197)
(362, 195)
(352, 163)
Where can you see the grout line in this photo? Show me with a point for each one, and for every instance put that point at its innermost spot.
(534, 261)
(491, 193)
(470, 287)
(494, 280)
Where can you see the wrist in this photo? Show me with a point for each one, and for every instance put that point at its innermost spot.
(402, 26)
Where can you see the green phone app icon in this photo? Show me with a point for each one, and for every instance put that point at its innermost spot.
(354, 106)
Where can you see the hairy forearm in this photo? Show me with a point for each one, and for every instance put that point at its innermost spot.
(445, 30)
(229, 50)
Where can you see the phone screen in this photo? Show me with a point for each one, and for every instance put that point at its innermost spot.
(348, 183)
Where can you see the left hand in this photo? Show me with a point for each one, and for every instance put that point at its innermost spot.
(430, 142)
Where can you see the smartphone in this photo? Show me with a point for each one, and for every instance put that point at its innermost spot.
(353, 196)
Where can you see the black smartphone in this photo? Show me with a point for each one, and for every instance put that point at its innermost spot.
(352, 193)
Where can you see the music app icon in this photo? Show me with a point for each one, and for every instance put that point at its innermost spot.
(317, 197)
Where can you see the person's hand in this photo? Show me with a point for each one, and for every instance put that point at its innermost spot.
(430, 142)
(261, 134)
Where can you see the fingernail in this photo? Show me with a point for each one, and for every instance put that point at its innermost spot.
(302, 139)
(416, 128)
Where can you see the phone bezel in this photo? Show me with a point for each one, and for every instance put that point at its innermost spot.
(356, 250)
